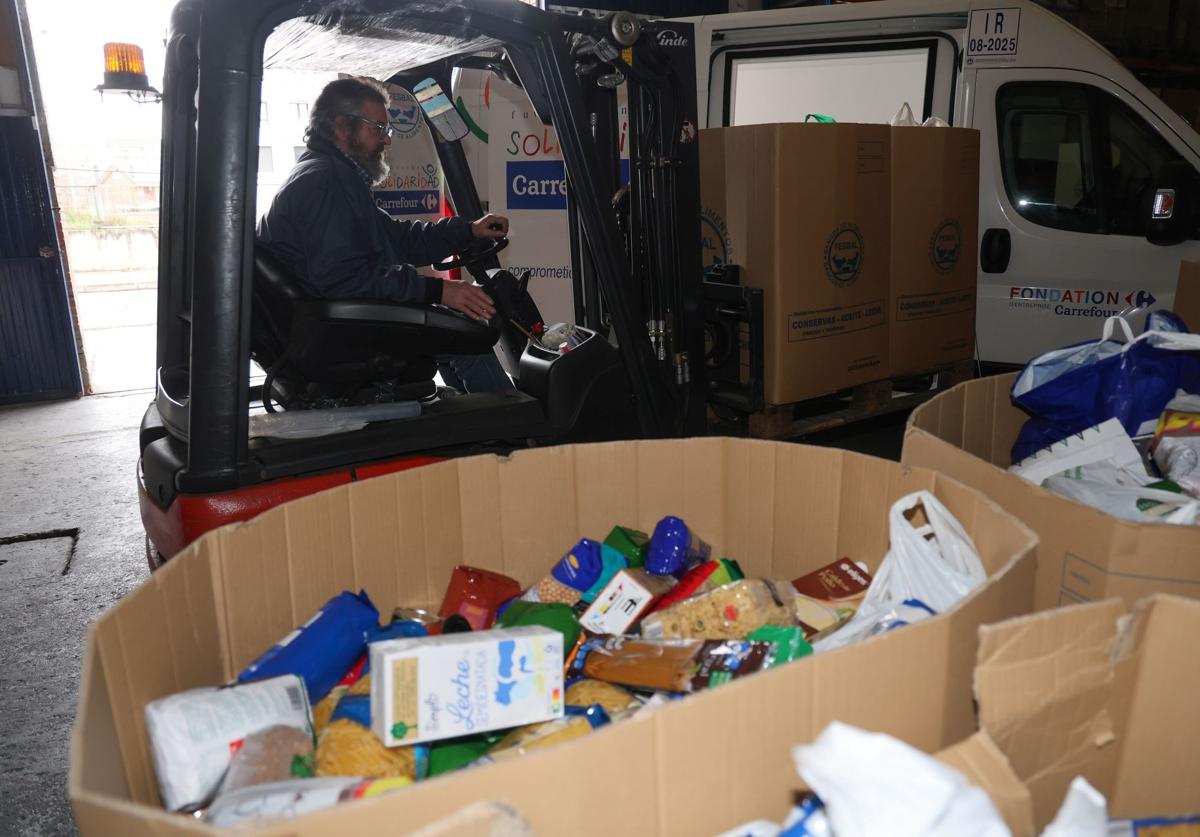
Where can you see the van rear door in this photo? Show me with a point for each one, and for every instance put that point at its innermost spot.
(1067, 167)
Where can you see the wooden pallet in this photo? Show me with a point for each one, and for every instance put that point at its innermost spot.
(865, 401)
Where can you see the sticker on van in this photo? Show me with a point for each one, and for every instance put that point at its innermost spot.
(993, 36)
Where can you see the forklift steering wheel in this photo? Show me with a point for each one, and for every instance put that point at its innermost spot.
(472, 256)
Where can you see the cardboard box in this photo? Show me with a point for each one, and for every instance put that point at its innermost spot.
(934, 216)
(781, 509)
(1092, 691)
(804, 210)
(1084, 554)
(1187, 294)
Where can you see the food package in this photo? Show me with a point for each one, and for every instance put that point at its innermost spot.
(828, 597)
(729, 612)
(346, 748)
(448, 686)
(194, 734)
(629, 595)
(323, 710)
(571, 577)
(615, 700)
(280, 800)
(1176, 445)
(675, 548)
(476, 595)
(700, 579)
(789, 643)
(629, 542)
(673, 665)
(535, 736)
(559, 617)
(274, 754)
(324, 648)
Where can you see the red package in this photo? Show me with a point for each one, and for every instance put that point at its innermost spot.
(476, 595)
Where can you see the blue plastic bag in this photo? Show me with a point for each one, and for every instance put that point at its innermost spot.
(1068, 390)
(322, 650)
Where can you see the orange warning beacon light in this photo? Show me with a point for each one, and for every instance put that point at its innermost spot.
(125, 70)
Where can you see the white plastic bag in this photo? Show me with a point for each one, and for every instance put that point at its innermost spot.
(904, 117)
(936, 564)
(1124, 494)
(1083, 813)
(873, 784)
(1106, 441)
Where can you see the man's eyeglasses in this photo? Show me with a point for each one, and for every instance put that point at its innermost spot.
(382, 128)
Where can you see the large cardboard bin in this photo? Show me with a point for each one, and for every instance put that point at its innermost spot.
(1094, 691)
(698, 765)
(1083, 554)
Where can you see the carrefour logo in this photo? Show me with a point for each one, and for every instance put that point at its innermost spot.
(536, 184)
(945, 246)
(844, 254)
(409, 203)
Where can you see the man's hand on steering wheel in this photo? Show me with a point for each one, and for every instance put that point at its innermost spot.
(490, 233)
(469, 298)
(490, 226)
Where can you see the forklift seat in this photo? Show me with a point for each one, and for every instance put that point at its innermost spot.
(316, 351)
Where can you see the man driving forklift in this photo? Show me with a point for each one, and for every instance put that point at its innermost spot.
(325, 227)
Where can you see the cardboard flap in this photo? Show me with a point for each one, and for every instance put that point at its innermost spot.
(980, 760)
(1045, 688)
(1187, 294)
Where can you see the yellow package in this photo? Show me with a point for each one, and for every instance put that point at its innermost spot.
(731, 611)
(614, 700)
(533, 736)
(349, 749)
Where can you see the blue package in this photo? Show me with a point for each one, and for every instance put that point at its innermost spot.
(580, 568)
(355, 708)
(674, 548)
(323, 649)
(396, 629)
(595, 714)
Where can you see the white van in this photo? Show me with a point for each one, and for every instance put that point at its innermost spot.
(1070, 145)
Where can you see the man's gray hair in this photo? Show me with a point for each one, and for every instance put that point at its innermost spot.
(343, 96)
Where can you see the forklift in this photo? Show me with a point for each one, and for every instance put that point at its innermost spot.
(217, 448)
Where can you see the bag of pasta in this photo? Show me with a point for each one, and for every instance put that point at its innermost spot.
(731, 611)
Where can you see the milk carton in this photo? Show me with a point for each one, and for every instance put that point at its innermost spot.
(430, 688)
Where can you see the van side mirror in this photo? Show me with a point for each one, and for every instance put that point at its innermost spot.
(1173, 204)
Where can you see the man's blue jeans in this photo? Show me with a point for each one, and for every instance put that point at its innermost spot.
(474, 373)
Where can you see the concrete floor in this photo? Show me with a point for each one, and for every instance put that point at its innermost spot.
(70, 465)
(63, 465)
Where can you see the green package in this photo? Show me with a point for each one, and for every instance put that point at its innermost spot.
(554, 615)
(629, 542)
(445, 756)
(789, 643)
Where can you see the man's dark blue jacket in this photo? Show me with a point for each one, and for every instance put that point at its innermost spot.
(325, 226)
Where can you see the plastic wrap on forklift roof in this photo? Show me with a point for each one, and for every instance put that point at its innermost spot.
(373, 38)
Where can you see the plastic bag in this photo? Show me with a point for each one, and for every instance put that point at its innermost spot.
(904, 118)
(1124, 494)
(938, 571)
(1070, 389)
(1176, 445)
(1107, 441)
(873, 784)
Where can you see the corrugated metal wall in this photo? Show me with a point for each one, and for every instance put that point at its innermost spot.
(37, 346)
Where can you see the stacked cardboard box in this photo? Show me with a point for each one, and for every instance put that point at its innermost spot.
(863, 239)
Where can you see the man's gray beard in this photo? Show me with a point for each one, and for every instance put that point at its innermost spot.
(376, 167)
